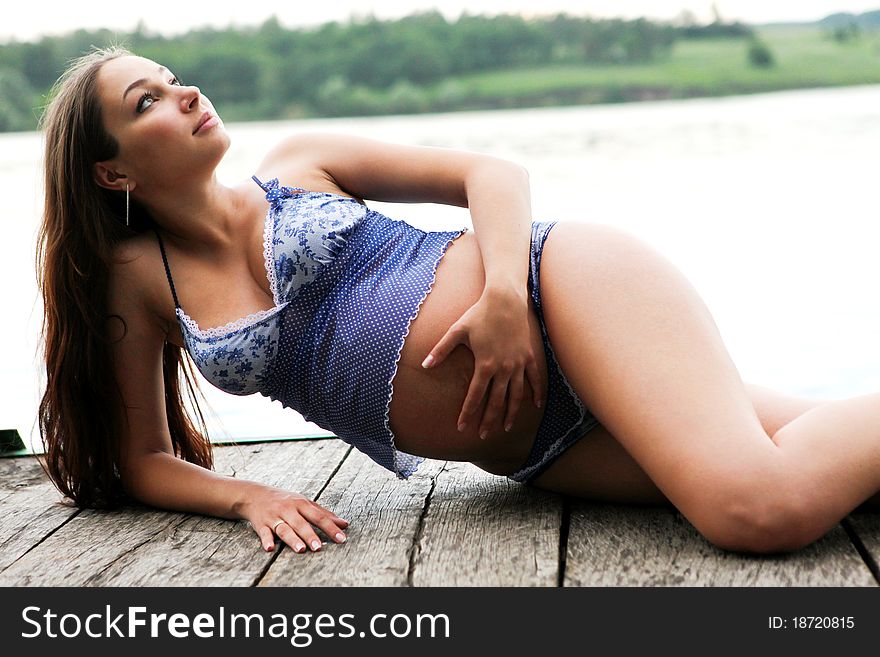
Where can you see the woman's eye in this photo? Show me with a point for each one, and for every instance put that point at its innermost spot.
(143, 102)
(148, 98)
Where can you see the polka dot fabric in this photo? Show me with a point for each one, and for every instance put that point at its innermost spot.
(566, 418)
(347, 282)
(341, 340)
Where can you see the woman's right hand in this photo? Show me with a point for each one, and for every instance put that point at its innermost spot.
(272, 512)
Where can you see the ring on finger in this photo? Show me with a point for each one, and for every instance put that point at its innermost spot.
(277, 522)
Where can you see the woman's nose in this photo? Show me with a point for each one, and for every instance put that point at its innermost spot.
(190, 98)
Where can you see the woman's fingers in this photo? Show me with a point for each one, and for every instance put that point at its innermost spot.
(504, 388)
(474, 397)
(514, 399)
(294, 536)
(267, 539)
(444, 346)
(535, 381)
(295, 528)
(325, 520)
(495, 406)
(313, 514)
(283, 531)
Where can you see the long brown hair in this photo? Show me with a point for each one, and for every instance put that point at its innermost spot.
(81, 413)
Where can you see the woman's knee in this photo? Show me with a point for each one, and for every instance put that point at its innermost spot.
(754, 514)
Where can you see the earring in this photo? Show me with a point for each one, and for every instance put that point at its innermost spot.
(126, 204)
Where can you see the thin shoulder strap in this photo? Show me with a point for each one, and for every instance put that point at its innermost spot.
(262, 185)
(167, 269)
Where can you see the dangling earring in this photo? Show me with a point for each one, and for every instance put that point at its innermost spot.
(126, 204)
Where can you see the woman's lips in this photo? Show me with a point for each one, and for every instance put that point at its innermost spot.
(207, 122)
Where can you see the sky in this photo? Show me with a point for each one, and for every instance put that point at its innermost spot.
(22, 23)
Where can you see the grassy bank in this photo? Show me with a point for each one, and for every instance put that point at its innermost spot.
(249, 79)
(803, 56)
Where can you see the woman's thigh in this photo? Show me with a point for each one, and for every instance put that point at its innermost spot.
(598, 467)
(642, 351)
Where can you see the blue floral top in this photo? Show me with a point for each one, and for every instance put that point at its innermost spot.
(346, 283)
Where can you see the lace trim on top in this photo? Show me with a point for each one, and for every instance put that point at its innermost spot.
(405, 464)
(231, 327)
(268, 253)
(274, 194)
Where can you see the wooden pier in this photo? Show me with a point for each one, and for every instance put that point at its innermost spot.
(450, 524)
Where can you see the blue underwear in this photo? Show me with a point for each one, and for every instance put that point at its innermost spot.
(566, 418)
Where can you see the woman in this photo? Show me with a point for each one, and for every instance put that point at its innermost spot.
(528, 337)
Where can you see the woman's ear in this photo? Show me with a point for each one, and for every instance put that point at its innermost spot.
(107, 177)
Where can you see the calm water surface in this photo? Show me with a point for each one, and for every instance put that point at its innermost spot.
(765, 203)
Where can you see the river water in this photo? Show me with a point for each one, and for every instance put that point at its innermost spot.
(765, 202)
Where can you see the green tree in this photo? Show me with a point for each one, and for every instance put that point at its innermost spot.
(40, 63)
(760, 55)
(16, 102)
(847, 32)
(364, 66)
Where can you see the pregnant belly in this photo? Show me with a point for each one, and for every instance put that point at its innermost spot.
(426, 404)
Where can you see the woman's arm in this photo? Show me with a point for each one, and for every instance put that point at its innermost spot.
(496, 328)
(495, 190)
(162, 480)
(149, 470)
(497, 193)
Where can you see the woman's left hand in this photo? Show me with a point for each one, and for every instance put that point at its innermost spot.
(496, 330)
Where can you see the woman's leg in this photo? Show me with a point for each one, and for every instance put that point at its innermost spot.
(642, 351)
(776, 409)
(598, 467)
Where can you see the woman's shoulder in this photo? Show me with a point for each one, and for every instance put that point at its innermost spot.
(304, 147)
(136, 273)
(299, 160)
(131, 257)
(129, 262)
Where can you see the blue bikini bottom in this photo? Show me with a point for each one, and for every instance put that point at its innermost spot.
(566, 418)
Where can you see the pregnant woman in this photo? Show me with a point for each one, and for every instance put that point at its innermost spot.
(571, 356)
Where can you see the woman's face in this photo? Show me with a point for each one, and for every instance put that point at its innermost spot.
(160, 125)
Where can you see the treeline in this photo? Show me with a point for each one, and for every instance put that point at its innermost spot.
(869, 20)
(365, 66)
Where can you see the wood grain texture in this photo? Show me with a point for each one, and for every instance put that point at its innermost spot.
(31, 509)
(140, 546)
(384, 514)
(617, 545)
(449, 524)
(864, 524)
(486, 530)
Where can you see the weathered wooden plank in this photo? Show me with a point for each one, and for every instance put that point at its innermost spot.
(139, 546)
(450, 524)
(865, 524)
(30, 509)
(622, 545)
(486, 530)
(384, 513)
(78, 553)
